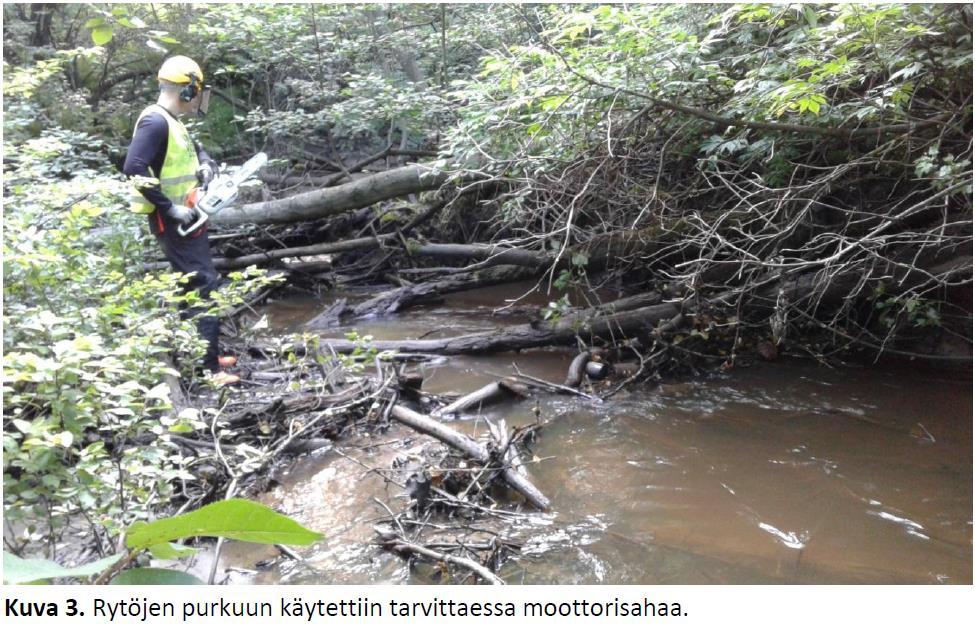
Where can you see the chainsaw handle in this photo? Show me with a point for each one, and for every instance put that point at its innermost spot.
(200, 222)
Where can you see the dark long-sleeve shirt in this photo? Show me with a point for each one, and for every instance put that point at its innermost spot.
(148, 151)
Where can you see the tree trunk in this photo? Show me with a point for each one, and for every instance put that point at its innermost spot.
(490, 393)
(532, 335)
(317, 204)
(495, 254)
(241, 262)
(397, 299)
(42, 15)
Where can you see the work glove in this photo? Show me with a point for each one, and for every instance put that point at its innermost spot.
(182, 214)
(206, 172)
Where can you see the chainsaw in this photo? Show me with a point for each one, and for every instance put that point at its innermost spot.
(220, 193)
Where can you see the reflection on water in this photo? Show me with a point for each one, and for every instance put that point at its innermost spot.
(790, 473)
(777, 473)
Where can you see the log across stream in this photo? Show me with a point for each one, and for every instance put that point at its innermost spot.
(785, 472)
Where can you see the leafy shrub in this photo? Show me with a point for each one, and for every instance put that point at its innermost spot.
(87, 338)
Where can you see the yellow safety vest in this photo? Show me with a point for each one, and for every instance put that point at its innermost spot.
(178, 176)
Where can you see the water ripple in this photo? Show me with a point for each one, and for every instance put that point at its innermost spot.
(792, 540)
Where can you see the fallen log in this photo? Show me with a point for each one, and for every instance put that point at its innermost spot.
(490, 393)
(533, 335)
(509, 453)
(397, 299)
(307, 267)
(394, 300)
(496, 255)
(337, 247)
(598, 252)
(241, 262)
(600, 323)
(177, 396)
(330, 317)
(317, 204)
(469, 447)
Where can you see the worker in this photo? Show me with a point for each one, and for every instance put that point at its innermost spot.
(165, 165)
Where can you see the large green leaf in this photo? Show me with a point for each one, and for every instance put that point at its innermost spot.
(21, 571)
(155, 576)
(101, 35)
(239, 519)
(169, 551)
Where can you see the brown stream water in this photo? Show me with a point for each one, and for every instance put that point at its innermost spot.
(785, 472)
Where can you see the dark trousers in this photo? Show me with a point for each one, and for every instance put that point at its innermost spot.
(192, 255)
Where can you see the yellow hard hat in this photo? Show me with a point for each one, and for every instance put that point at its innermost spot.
(180, 69)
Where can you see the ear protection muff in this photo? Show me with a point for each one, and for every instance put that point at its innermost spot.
(192, 88)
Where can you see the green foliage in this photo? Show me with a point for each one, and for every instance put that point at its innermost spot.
(943, 170)
(810, 64)
(557, 310)
(574, 276)
(309, 63)
(36, 571)
(108, 22)
(239, 519)
(87, 339)
(363, 353)
(914, 310)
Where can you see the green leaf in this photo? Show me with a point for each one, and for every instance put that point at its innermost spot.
(239, 519)
(101, 35)
(21, 571)
(170, 551)
(553, 102)
(95, 22)
(810, 14)
(166, 577)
